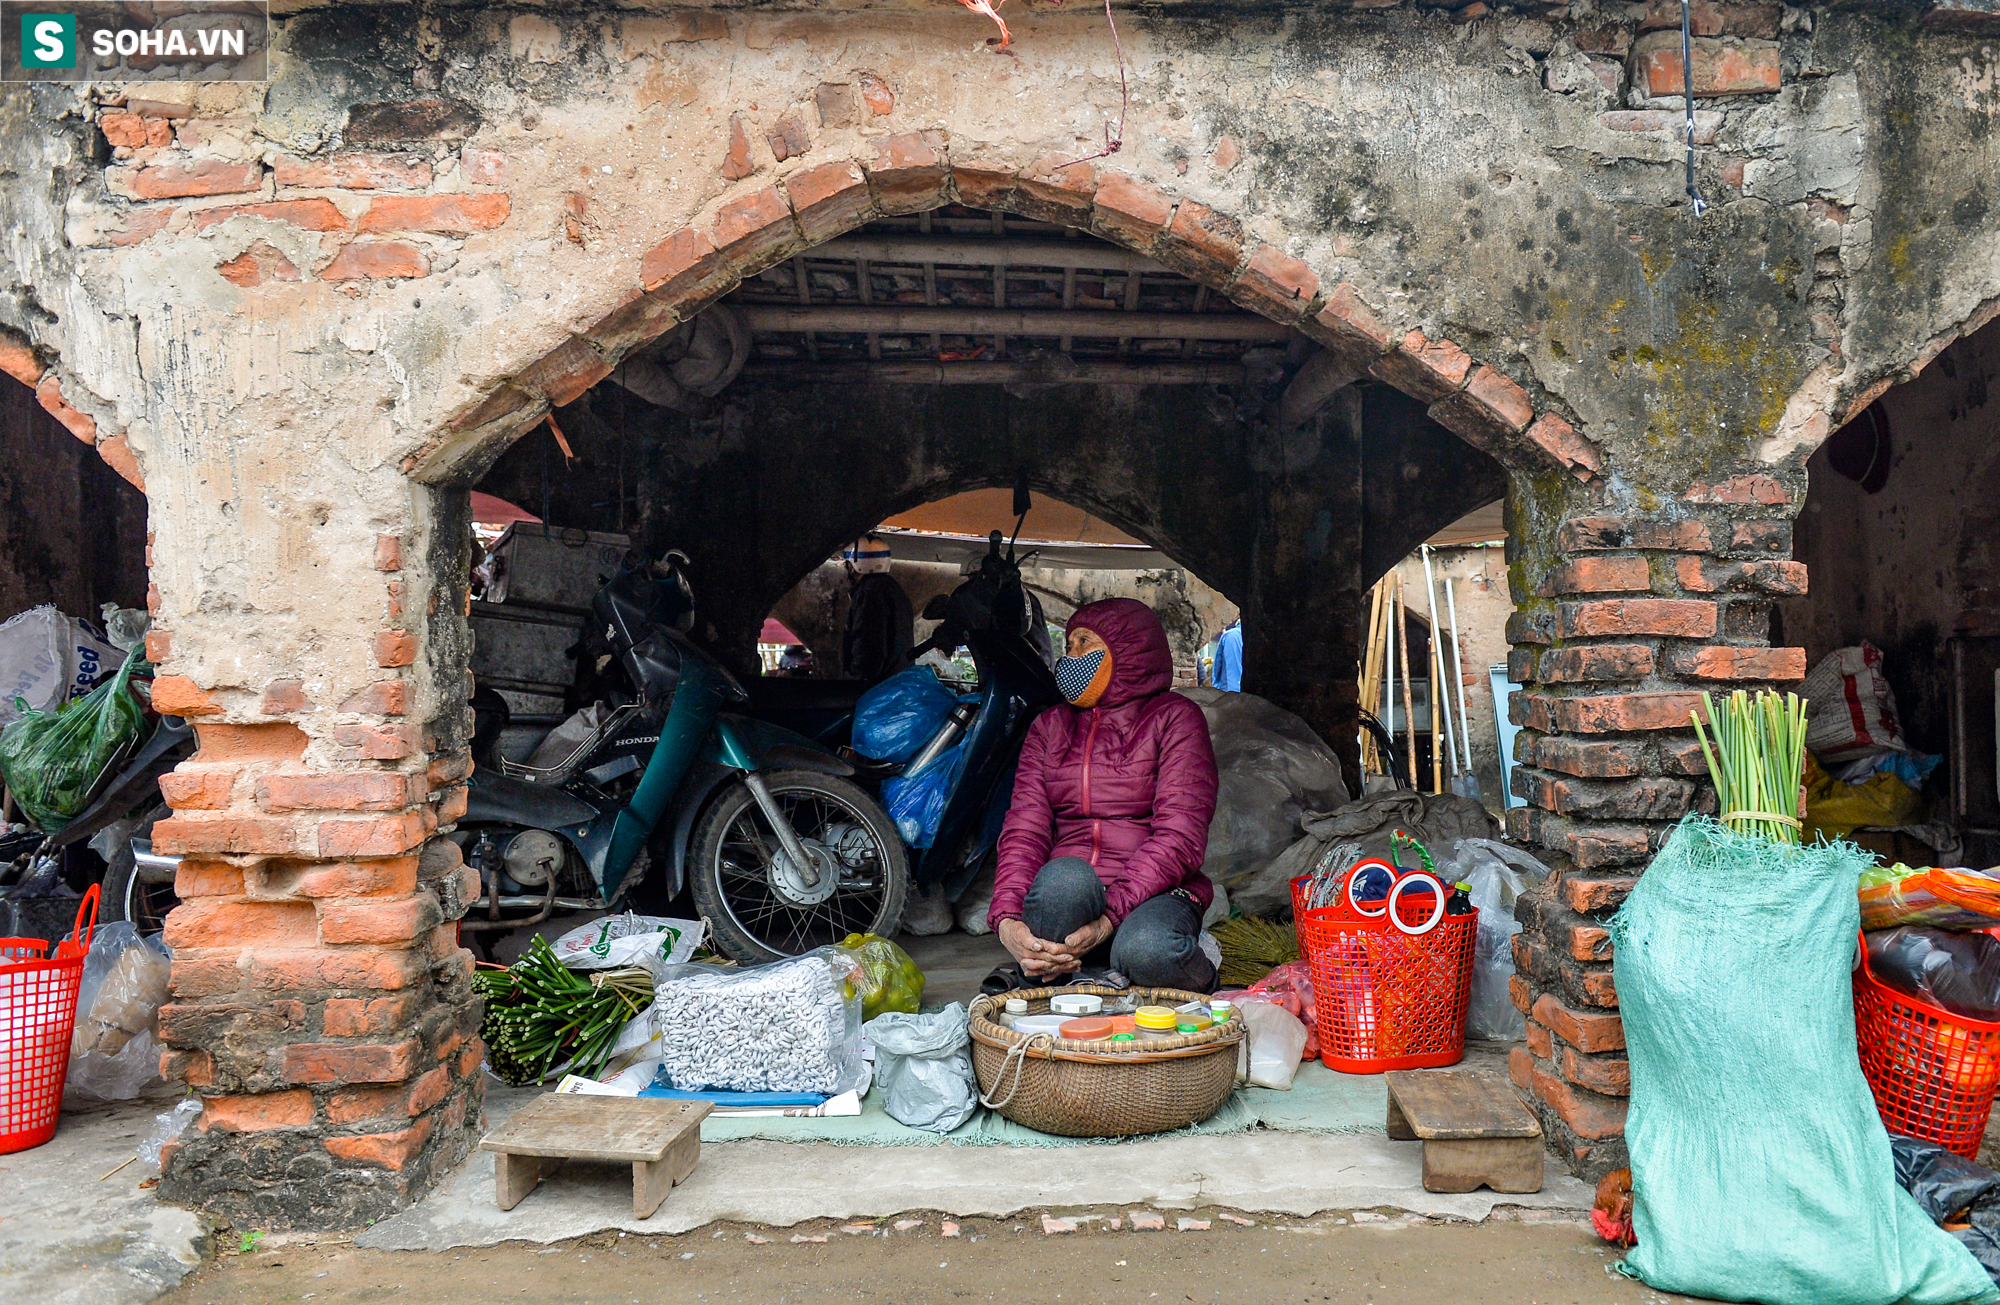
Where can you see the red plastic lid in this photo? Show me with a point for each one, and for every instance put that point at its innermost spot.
(1088, 1029)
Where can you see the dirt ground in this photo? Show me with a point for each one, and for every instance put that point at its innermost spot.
(1380, 1258)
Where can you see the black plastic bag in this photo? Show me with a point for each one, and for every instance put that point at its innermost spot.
(1944, 1182)
(1959, 972)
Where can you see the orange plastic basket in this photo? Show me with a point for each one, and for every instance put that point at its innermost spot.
(1384, 999)
(37, 1013)
(1933, 1073)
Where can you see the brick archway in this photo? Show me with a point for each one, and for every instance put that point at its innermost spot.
(19, 360)
(741, 236)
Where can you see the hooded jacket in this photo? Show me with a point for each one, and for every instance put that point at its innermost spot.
(1129, 784)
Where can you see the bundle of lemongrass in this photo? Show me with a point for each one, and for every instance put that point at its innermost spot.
(1757, 759)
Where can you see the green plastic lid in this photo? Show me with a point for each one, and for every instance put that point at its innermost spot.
(1124, 1037)
(1188, 1028)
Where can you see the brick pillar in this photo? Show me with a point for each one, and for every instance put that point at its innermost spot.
(1622, 620)
(320, 1001)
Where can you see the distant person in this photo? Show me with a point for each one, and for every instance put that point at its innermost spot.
(880, 621)
(1228, 672)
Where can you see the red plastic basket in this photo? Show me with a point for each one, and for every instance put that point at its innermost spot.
(1384, 999)
(1933, 1073)
(37, 1013)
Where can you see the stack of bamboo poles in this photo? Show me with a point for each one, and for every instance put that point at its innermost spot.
(1385, 667)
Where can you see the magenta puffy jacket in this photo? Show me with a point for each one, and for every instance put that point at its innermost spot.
(1129, 785)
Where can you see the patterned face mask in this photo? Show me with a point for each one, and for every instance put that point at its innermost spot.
(1084, 679)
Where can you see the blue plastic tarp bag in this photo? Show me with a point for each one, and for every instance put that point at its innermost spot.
(1760, 1168)
(897, 716)
(916, 803)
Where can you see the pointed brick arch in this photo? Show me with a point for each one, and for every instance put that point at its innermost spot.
(912, 173)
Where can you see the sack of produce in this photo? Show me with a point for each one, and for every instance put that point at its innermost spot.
(1941, 897)
(51, 760)
(888, 980)
(114, 1052)
(1853, 711)
(790, 1026)
(1732, 959)
(899, 715)
(924, 1065)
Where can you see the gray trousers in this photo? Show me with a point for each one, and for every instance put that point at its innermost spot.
(1157, 946)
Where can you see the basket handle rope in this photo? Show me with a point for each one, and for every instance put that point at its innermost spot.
(1017, 1056)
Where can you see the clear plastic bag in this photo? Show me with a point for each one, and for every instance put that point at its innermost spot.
(1499, 873)
(1275, 1044)
(925, 1066)
(167, 1126)
(899, 715)
(51, 760)
(1290, 985)
(114, 1052)
(889, 980)
(790, 1026)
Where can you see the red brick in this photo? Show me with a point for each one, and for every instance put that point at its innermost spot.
(737, 162)
(1706, 123)
(1501, 398)
(1604, 534)
(678, 264)
(1588, 1114)
(1521, 1068)
(306, 214)
(382, 836)
(1424, 368)
(377, 260)
(1595, 846)
(194, 1068)
(1538, 1042)
(210, 975)
(207, 922)
(173, 180)
(321, 969)
(1614, 661)
(382, 698)
(1130, 212)
(374, 742)
(126, 130)
(389, 1150)
(198, 790)
(1721, 67)
(468, 1059)
(448, 768)
(452, 805)
(1738, 489)
(329, 1062)
(136, 225)
(176, 695)
(254, 1114)
(443, 214)
(752, 232)
(283, 698)
(983, 185)
(365, 790)
(260, 263)
(1609, 1075)
(1596, 575)
(1761, 536)
(392, 923)
(1587, 894)
(1682, 756)
(1349, 327)
(482, 167)
(1676, 618)
(357, 1017)
(909, 173)
(1565, 445)
(1717, 663)
(355, 170)
(1055, 193)
(276, 741)
(390, 876)
(1636, 799)
(234, 835)
(788, 138)
(1588, 759)
(1519, 993)
(1202, 243)
(395, 648)
(207, 879)
(1586, 941)
(18, 360)
(1758, 18)
(1275, 284)
(875, 93)
(1535, 711)
(829, 199)
(388, 552)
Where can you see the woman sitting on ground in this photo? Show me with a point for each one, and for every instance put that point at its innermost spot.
(1100, 858)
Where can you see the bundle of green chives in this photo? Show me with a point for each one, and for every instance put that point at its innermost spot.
(1757, 760)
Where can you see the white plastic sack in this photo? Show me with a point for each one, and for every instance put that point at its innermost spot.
(925, 1065)
(1499, 873)
(614, 941)
(1850, 710)
(561, 743)
(33, 664)
(114, 1054)
(1275, 1042)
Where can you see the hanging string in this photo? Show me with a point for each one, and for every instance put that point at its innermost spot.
(1687, 104)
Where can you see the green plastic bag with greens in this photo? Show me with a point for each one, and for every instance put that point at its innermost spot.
(51, 760)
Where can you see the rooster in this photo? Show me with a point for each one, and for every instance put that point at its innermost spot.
(1611, 1213)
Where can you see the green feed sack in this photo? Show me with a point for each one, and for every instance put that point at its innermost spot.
(1760, 1170)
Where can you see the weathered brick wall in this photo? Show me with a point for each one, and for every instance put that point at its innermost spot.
(1623, 620)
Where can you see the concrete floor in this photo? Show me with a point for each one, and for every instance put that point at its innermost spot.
(74, 1233)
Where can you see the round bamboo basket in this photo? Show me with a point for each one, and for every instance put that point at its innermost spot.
(1087, 1089)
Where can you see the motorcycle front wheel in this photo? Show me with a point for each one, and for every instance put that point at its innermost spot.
(763, 908)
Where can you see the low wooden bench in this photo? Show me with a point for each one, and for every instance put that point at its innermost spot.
(1474, 1129)
(661, 1139)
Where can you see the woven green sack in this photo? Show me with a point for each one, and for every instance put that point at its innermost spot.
(1760, 1169)
(51, 760)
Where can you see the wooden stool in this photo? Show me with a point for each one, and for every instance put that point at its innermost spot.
(1474, 1130)
(662, 1139)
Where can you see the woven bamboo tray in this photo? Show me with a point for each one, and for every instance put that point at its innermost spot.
(1086, 1089)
